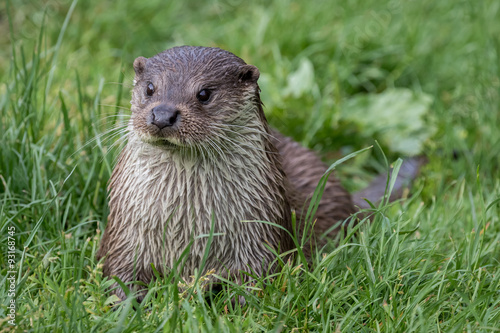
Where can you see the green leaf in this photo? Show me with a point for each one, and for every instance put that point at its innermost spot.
(301, 81)
(397, 117)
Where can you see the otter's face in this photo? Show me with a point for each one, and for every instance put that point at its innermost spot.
(184, 95)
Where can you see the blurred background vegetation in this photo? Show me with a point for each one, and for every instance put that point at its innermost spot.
(420, 77)
(321, 64)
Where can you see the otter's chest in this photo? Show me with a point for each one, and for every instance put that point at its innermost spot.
(170, 203)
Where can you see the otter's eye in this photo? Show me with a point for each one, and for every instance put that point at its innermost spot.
(150, 90)
(204, 95)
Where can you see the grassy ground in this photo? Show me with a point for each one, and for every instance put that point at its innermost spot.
(428, 264)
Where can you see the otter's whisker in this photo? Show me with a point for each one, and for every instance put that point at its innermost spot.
(122, 137)
(241, 144)
(97, 138)
(215, 146)
(247, 128)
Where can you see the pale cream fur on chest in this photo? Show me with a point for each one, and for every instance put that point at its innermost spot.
(165, 200)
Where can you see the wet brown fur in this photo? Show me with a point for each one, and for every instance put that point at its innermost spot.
(220, 162)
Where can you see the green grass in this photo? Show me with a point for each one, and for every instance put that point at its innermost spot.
(430, 263)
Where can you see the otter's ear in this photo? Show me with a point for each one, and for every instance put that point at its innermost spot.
(140, 65)
(248, 74)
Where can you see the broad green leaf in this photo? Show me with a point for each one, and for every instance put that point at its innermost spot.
(397, 117)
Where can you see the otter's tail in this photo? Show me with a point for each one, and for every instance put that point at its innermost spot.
(375, 192)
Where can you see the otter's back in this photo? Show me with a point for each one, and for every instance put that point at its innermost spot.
(304, 170)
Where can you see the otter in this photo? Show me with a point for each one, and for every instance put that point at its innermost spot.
(200, 159)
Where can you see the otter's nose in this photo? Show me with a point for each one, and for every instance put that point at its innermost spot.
(164, 116)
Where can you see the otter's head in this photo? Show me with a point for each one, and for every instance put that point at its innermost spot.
(188, 96)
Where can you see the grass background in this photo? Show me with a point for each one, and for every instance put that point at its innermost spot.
(427, 264)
